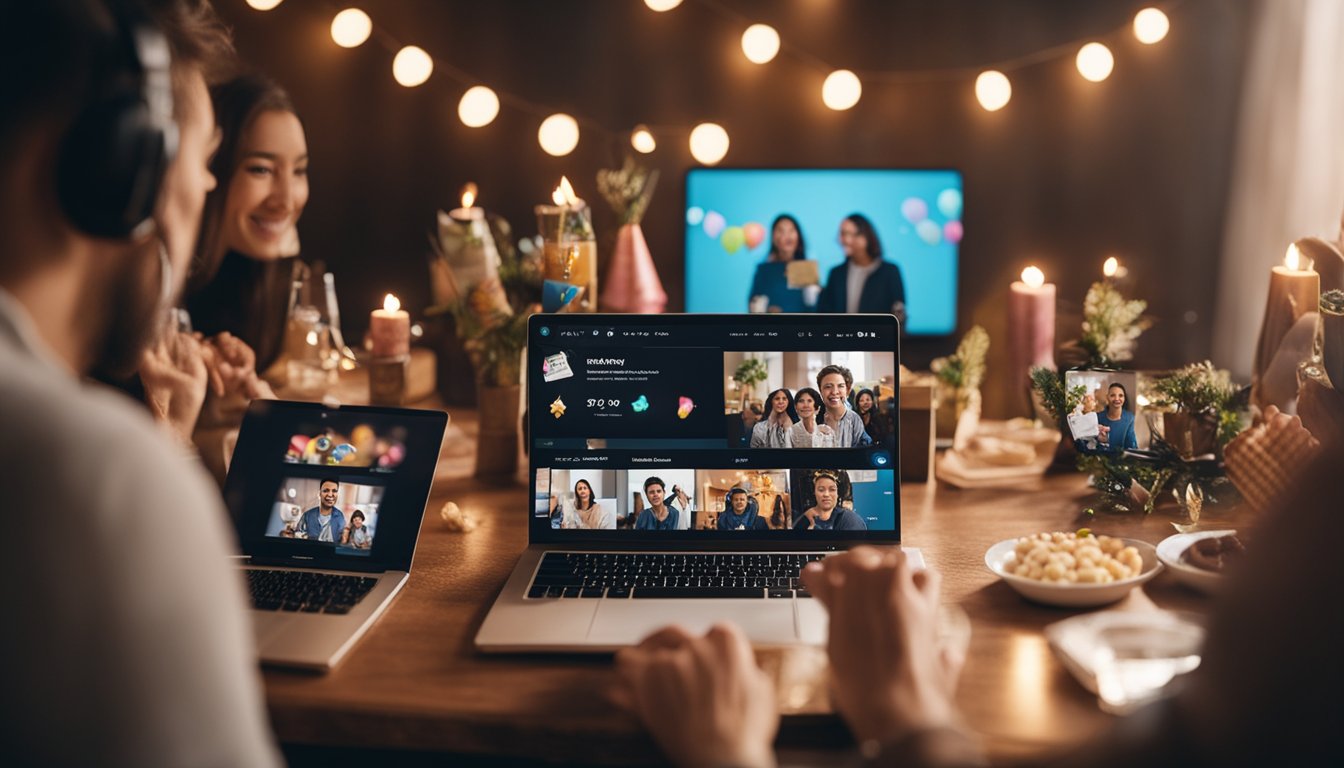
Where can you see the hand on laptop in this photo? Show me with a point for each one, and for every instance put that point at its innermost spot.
(889, 674)
(703, 699)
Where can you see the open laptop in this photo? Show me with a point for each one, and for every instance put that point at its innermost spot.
(649, 504)
(328, 504)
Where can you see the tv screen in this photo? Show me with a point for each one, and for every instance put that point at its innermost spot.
(916, 215)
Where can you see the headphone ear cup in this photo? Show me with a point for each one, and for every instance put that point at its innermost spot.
(111, 168)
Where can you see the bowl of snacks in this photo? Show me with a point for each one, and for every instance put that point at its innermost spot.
(1073, 570)
(1198, 559)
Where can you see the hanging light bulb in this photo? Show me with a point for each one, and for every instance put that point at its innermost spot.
(760, 43)
(709, 143)
(662, 5)
(351, 28)
(993, 90)
(479, 106)
(642, 140)
(558, 134)
(264, 5)
(841, 90)
(1151, 26)
(1095, 62)
(412, 66)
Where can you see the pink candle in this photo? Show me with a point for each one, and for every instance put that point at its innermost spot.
(1031, 325)
(390, 329)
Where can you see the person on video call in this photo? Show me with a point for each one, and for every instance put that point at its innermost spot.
(810, 432)
(835, 382)
(874, 421)
(770, 284)
(828, 515)
(323, 522)
(588, 513)
(356, 533)
(96, 233)
(1115, 425)
(864, 282)
(774, 431)
(752, 413)
(657, 516)
(741, 514)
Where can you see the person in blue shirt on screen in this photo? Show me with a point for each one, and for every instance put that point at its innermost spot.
(864, 282)
(657, 516)
(771, 279)
(828, 515)
(1116, 424)
(741, 515)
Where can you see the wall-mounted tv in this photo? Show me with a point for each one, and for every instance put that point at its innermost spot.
(729, 213)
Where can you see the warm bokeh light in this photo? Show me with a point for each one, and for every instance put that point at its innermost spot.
(412, 66)
(760, 43)
(1095, 62)
(662, 5)
(479, 106)
(468, 194)
(1151, 25)
(642, 140)
(1110, 267)
(709, 143)
(841, 90)
(558, 134)
(351, 28)
(391, 303)
(264, 5)
(1293, 258)
(1033, 277)
(993, 90)
(564, 193)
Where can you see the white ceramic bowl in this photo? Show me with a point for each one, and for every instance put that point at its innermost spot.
(1171, 550)
(1072, 595)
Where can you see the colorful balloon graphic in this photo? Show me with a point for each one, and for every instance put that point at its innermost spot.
(914, 210)
(694, 215)
(733, 239)
(714, 223)
(952, 232)
(929, 232)
(755, 234)
(949, 203)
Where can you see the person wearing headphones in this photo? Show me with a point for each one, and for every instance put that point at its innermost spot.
(106, 129)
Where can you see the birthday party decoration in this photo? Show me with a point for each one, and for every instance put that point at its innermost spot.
(929, 232)
(640, 404)
(914, 210)
(694, 215)
(733, 239)
(558, 407)
(684, 407)
(714, 223)
(949, 203)
(754, 233)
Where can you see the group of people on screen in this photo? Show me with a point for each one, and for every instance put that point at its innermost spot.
(817, 418)
(327, 522)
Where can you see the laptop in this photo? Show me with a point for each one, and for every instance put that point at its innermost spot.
(327, 503)
(653, 499)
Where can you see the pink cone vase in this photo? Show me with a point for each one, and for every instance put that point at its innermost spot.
(632, 283)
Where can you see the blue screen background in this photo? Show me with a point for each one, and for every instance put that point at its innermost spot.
(720, 281)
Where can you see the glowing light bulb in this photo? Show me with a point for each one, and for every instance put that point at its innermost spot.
(412, 66)
(1095, 62)
(662, 5)
(479, 106)
(760, 43)
(264, 5)
(351, 28)
(558, 134)
(709, 143)
(1033, 277)
(841, 90)
(1109, 268)
(1151, 26)
(993, 90)
(642, 140)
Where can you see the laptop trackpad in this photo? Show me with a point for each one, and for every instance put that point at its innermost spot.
(626, 622)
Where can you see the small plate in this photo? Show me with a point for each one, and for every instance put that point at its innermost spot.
(1171, 550)
(1072, 595)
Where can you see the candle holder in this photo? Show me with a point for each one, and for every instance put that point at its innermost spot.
(569, 252)
(387, 379)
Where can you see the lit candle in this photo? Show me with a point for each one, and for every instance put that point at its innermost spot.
(468, 212)
(1294, 291)
(1031, 324)
(390, 329)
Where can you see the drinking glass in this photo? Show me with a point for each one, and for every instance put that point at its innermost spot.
(313, 344)
(1135, 662)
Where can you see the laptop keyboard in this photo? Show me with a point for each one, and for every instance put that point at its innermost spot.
(637, 575)
(306, 591)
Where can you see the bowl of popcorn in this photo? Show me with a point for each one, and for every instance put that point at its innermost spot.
(1073, 570)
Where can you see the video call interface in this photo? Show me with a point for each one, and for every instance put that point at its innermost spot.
(707, 428)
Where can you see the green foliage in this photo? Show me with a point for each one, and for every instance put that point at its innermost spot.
(751, 371)
(1115, 476)
(1111, 325)
(628, 189)
(1049, 386)
(1196, 388)
(966, 368)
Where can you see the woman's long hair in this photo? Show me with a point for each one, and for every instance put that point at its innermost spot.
(799, 254)
(592, 497)
(769, 406)
(869, 233)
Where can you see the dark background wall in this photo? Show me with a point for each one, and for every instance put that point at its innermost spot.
(1068, 173)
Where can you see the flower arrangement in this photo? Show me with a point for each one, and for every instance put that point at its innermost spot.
(1203, 392)
(1111, 325)
(751, 372)
(628, 189)
(965, 369)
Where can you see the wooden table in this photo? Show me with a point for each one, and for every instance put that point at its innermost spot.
(415, 682)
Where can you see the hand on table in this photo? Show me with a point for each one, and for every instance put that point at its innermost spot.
(889, 675)
(174, 374)
(703, 699)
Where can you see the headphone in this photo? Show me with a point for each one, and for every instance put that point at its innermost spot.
(113, 158)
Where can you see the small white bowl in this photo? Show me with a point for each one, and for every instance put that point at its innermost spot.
(1072, 595)
(1171, 552)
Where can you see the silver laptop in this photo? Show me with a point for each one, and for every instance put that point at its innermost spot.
(328, 504)
(655, 499)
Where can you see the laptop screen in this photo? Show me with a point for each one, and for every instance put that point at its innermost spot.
(713, 428)
(332, 487)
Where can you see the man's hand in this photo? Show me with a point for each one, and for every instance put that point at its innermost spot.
(232, 366)
(889, 674)
(174, 374)
(703, 699)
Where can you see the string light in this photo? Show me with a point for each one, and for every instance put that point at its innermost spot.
(709, 143)
(558, 134)
(351, 28)
(760, 43)
(993, 90)
(662, 5)
(841, 90)
(642, 140)
(266, 5)
(479, 106)
(412, 66)
(1095, 62)
(1151, 25)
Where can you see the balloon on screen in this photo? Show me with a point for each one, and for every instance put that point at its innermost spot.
(949, 203)
(733, 239)
(952, 232)
(714, 223)
(929, 232)
(694, 215)
(915, 210)
(755, 233)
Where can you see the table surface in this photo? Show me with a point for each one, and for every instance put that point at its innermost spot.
(415, 681)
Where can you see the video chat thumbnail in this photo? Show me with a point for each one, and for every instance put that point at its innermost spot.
(362, 446)
(716, 499)
(327, 510)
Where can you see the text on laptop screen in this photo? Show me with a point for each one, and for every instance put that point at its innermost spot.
(775, 424)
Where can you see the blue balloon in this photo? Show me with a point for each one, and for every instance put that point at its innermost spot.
(929, 232)
(949, 203)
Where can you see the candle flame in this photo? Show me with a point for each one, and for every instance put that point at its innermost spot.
(1033, 277)
(1293, 259)
(1111, 266)
(564, 194)
(468, 194)
(391, 303)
